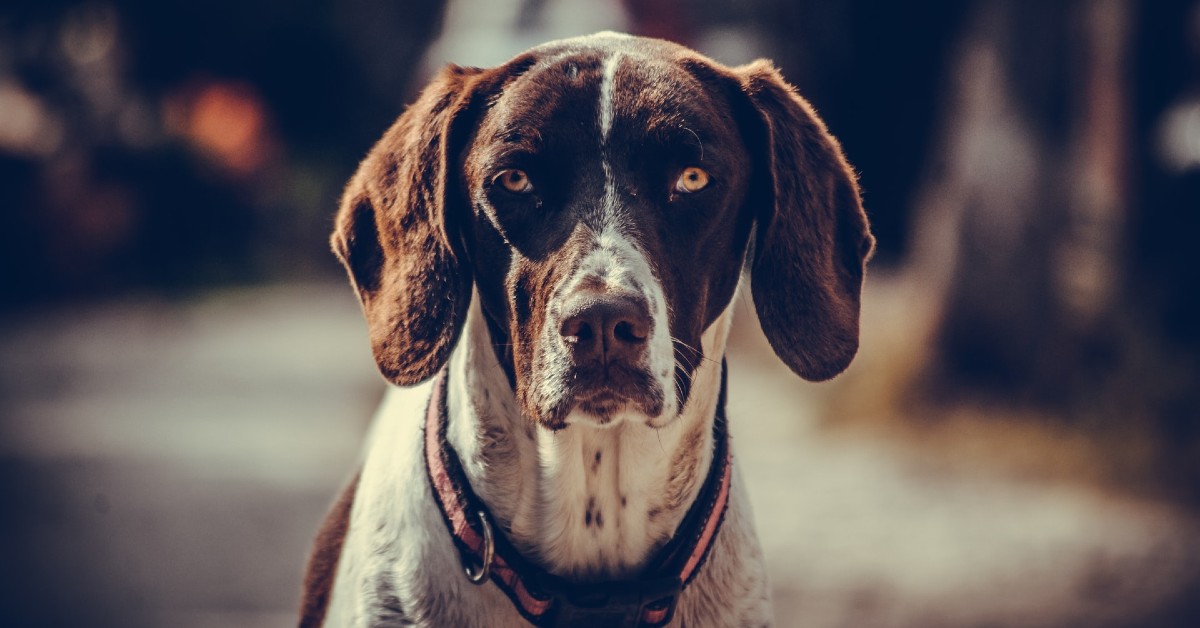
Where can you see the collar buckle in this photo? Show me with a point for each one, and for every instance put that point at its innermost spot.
(479, 575)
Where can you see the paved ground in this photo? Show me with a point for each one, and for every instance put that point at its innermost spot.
(165, 464)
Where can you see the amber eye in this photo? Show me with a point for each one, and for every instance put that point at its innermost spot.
(515, 181)
(691, 180)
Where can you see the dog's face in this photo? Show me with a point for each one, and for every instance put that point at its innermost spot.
(601, 195)
(608, 193)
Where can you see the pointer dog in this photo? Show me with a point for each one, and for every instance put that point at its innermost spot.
(547, 253)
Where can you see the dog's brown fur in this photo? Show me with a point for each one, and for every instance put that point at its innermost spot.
(322, 564)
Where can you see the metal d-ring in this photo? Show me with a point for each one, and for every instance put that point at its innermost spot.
(489, 551)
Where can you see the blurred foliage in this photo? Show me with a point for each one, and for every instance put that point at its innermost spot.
(168, 145)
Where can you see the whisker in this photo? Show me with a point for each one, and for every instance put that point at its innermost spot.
(696, 351)
(686, 359)
(684, 344)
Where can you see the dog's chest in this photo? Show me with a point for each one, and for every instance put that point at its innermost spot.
(585, 501)
(400, 566)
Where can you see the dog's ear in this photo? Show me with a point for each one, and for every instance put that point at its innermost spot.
(398, 232)
(812, 239)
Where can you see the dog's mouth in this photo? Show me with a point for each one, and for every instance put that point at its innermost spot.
(603, 394)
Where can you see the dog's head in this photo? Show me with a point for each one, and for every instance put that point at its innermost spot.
(601, 194)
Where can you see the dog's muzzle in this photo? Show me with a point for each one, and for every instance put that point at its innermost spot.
(606, 335)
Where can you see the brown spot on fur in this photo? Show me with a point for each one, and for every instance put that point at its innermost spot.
(322, 564)
(593, 283)
(622, 501)
(596, 462)
(599, 519)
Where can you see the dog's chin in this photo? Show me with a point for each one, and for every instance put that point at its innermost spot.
(607, 406)
(604, 409)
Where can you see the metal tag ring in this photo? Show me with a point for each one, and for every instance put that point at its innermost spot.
(489, 550)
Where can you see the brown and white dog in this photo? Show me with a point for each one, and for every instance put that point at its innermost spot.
(564, 236)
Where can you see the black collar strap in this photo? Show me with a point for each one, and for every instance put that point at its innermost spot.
(548, 600)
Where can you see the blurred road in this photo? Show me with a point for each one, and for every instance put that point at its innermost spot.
(166, 464)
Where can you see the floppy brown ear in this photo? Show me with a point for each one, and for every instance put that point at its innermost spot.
(397, 233)
(812, 235)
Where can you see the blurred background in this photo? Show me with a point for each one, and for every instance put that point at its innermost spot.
(185, 379)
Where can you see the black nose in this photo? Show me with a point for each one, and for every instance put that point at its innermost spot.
(605, 328)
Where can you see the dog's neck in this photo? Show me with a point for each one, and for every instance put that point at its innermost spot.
(586, 502)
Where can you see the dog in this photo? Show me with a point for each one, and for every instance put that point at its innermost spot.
(547, 253)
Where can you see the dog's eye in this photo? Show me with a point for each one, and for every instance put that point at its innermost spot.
(515, 181)
(691, 180)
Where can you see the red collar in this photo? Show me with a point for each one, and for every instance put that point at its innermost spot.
(548, 600)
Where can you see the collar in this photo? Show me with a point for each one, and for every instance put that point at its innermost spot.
(549, 600)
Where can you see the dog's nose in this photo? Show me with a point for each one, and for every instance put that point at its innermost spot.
(605, 328)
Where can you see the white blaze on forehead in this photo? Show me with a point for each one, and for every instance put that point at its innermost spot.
(606, 94)
(607, 81)
(609, 216)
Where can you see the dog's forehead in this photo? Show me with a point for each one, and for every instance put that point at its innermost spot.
(592, 85)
